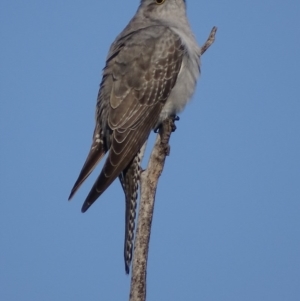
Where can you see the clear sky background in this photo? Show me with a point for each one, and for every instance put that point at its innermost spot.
(227, 216)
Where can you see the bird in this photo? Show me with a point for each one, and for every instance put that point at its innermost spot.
(150, 74)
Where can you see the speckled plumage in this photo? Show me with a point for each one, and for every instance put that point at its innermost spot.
(150, 74)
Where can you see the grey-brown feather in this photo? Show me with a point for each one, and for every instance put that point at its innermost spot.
(97, 151)
(140, 78)
(150, 74)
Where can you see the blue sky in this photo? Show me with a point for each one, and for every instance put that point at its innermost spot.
(226, 223)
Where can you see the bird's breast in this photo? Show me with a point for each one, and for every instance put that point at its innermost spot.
(183, 89)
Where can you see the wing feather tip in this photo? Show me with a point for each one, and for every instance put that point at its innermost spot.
(90, 200)
(74, 190)
(70, 196)
(84, 207)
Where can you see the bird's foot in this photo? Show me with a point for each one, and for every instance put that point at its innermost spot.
(156, 130)
(174, 118)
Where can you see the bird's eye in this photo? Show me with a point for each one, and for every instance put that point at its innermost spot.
(160, 1)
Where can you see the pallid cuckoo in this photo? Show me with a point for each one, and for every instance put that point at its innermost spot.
(150, 74)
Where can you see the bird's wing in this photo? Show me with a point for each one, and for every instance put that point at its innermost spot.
(97, 151)
(144, 72)
(99, 144)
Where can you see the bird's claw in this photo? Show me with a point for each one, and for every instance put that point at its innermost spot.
(173, 126)
(156, 130)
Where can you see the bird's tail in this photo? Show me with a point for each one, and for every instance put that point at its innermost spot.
(130, 182)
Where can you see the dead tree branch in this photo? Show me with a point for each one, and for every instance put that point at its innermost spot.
(149, 181)
(210, 40)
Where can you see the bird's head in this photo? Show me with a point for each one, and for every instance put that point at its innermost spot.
(163, 11)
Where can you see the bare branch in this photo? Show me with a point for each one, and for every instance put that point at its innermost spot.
(149, 181)
(210, 40)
